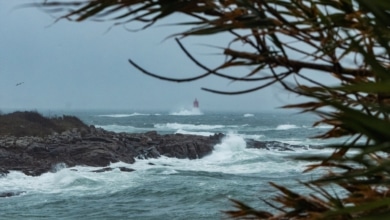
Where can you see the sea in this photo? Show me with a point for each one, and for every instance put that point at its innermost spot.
(170, 188)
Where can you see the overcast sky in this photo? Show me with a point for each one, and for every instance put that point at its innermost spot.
(68, 65)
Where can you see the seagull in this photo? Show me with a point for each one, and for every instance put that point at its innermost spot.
(18, 84)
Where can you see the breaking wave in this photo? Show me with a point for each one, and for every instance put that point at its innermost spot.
(176, 126)
(118, 128)
(200, 133)
(123, 115)
(187, 112)
(286, 127)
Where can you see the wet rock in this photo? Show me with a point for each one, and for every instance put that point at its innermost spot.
(96, 147)
(99, 139)
(3, 173)
(105, 169)
(277, 146)
(10, 194)
(125, 169)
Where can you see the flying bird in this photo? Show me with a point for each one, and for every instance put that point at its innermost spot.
(18, 84)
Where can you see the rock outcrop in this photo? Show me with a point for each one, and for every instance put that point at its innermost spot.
(278, 146)
(96, 147)
(10, 193)
(33, 144)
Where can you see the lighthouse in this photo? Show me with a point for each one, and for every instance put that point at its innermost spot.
(196, 103)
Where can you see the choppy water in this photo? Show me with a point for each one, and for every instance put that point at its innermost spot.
(169, 188)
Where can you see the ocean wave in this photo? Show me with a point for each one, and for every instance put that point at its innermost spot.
(249, 115)
(123, 115)
(253, 136)
(187, 112)
(178, 126)
(324, 126)
(200, 133)
(74, 181)
(286, 127)
(118, 128)
(230, 144)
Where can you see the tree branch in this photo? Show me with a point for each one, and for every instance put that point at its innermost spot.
(288, 63)
(166, 78)
(276, 79)
(215, 70)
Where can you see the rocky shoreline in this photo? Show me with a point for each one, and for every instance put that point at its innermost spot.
(98, 148)
(34, 144)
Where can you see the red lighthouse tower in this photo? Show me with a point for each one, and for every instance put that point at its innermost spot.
(196, 103)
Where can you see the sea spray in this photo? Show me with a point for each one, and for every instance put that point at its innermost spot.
(176, 126)
(230, 146)
(57, 167)
(201, 133)
(187, 112)
(171, 188)
(286, 127)
(123, 115)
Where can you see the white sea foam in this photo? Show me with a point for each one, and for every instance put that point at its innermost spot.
(187, 112)
(230, 146)
(230, 156)
(201, 133)
(286, 127)
(176, 126)
(118, 128)
(254, 136)
(249, 115)
(324, 126)
(122, 115)
(76, 181)
(230, 164)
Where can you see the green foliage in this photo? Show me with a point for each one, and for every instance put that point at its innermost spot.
(347, 40)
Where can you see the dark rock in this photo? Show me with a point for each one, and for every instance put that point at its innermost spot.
(151, 152)
(37, 148)
(3, 173)
(217, 136)
(36, 171)
(98, 139)
(125, 169)
(134, 139)
(151, 134)
(277, 146)
(105, 169)
(10, 194)
(71, 143)
(96, 147)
